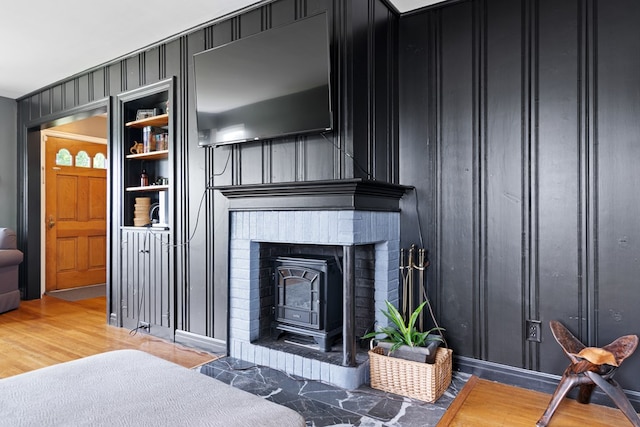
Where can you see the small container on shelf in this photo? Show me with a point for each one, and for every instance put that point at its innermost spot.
(161, 141)
(144, 178)
(141, 211)
(147, 138)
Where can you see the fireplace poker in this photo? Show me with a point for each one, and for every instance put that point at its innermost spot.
(404, 271)
(421, 267)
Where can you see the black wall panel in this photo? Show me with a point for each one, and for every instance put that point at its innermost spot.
(99, 88)
(69, 94)
(282, 156)
(318, 158)
(83, 90)
(526, 113)
(45, 102)
(253, 22)
(616, 146)
(456, 153)
(558, 220)
(56, 101)
(501, 183)
(195, 284)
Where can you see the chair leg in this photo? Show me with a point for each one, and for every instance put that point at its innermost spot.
(567, 382)
(584, 396)
(615, 392)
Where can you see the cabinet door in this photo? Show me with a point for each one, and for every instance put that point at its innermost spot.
(147, 290)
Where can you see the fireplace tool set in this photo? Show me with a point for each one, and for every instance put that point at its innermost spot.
(413, 266)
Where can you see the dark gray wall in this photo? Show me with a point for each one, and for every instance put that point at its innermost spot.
(8, 169)
(518, 126)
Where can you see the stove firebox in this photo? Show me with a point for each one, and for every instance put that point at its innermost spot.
(308, 297)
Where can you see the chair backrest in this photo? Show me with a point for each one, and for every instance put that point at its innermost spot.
(619, 349)
(8, 239)
(623, 347)
(570, 344)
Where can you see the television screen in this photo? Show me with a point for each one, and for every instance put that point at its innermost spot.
(267, 85)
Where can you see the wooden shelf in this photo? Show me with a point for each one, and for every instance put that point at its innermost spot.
(161, 120)
(149, 188)
(151, 155)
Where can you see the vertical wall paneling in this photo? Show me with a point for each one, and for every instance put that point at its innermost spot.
(174, 53)
(281, 156)
(617, 150)
(529, 177)
(479, 142)
(69, 91)
(45, 103)
(556, 274)
(34, 107)
(383, 120)
(532, 109)
(83, 89)
(589, 165)
(150, 66)
(502, 178)
(99, 87)
(193, 285)
(455, 153)
(56, 99)
(283, 12)
(360, 84)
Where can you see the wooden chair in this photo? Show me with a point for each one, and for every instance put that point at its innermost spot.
(591, 366)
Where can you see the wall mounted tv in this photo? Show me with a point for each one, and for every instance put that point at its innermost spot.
(271, 84)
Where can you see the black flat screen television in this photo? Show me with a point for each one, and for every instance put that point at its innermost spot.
(271, 84)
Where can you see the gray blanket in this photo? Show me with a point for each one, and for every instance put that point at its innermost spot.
(131, 388)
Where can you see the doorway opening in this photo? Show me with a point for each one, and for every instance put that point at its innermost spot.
(74, 162)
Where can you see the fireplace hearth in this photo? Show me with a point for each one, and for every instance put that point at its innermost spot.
(368, 244)
(308, 298)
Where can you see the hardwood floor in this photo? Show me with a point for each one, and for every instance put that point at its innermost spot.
(485, 403)
(49, 331)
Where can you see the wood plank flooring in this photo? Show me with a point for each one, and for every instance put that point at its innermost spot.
(483, 403)
(49, 331)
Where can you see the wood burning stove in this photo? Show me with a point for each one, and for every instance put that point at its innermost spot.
(308, 297)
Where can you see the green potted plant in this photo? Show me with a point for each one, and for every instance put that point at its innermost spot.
(402, 339)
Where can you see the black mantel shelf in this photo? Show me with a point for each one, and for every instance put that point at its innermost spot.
(348, 194)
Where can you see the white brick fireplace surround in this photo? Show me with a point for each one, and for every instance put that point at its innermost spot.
(248, 229)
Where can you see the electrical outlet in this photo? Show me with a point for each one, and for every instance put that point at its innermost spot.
(145, 325)
(534, 330)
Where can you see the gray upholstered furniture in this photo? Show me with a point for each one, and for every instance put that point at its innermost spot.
(132, 388)
(10, 259)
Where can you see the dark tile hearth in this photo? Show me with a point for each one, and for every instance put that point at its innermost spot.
(323, 404)
(306, 347)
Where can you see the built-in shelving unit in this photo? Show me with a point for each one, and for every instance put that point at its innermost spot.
(145, 288)
(154, 162)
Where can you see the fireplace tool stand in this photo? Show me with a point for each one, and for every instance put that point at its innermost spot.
(413, 266)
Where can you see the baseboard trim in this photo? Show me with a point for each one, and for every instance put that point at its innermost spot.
(532, 380)
(209, 344)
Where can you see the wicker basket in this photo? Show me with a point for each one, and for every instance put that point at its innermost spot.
(417, 380)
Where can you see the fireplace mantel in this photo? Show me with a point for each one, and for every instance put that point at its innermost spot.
(351, 194)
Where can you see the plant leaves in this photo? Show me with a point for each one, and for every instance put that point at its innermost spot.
(400, 332)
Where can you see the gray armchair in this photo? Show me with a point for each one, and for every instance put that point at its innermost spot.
(10, 259)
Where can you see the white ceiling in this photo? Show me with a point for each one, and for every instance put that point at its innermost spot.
(45, 41)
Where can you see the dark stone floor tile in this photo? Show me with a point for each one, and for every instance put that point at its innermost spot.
(324, 405)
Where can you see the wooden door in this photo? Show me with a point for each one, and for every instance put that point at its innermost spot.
(75, 217)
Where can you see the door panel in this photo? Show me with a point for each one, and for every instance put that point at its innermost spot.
(76, 218)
